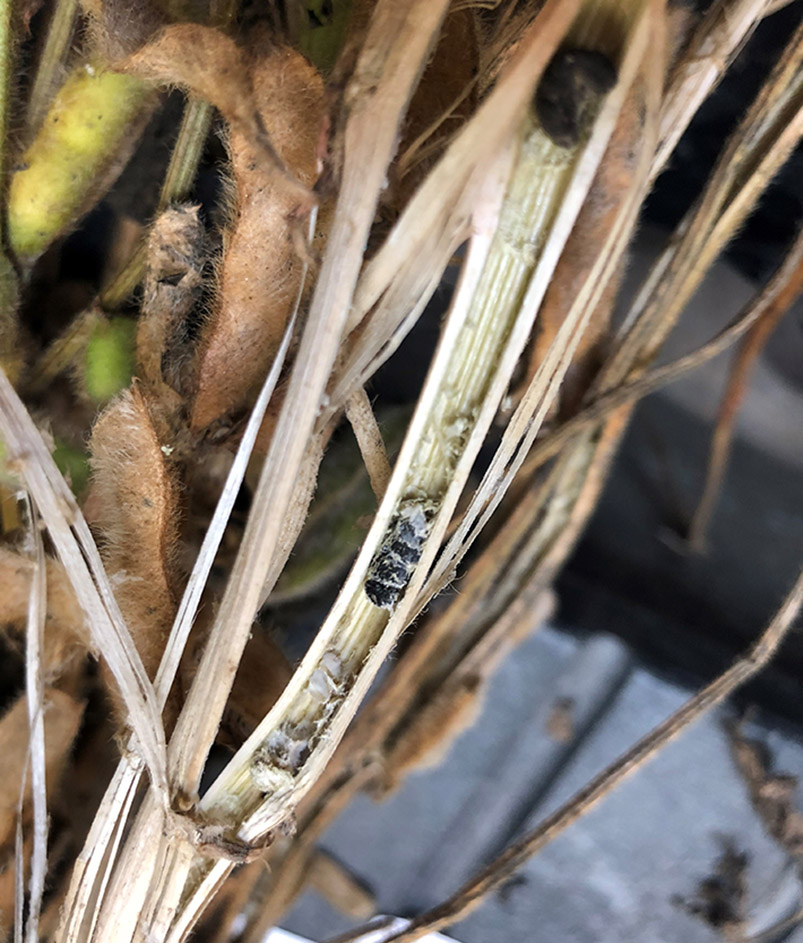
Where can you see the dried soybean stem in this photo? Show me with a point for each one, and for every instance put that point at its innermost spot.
(489, 321)
(646, 27)
(768, 318)
(342, 645)
(34, 686)
(659, 377)
(399, 40)
(372, 447)
(489, 879)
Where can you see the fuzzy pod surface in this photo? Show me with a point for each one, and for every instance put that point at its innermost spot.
(260, 272)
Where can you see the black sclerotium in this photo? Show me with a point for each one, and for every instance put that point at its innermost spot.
(392, 566)
(571, 86)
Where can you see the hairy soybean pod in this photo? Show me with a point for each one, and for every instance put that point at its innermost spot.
(89, 132)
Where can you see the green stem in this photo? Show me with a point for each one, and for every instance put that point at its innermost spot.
(6, 7)
(10, 356)
(54, 53)
(187, 152)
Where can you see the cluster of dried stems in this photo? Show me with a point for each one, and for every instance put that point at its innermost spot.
(364, 144)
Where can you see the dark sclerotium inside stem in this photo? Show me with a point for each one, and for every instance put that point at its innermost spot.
(570, 93)
(393, 564)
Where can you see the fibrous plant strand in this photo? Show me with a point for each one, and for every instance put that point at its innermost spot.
(714, 44)
(755, 152)
(600, 407)
(34, 687)
(759, 333)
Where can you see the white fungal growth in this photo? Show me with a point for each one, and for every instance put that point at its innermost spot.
(320, 686)
(280, 758)
(332, 665)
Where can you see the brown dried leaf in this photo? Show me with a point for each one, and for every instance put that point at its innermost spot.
(67, 636)
(261, 272)
(135, 506)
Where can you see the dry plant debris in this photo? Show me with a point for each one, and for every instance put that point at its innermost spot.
(773, 794)
(331, 160)
(720, 898)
